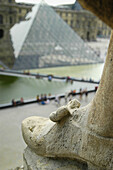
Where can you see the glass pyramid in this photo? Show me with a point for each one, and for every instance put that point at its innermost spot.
(45, 40)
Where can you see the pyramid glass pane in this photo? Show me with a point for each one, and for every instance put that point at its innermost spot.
(49, 41)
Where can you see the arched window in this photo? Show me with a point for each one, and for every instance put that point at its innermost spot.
(1, 19)
(88, 36)
(1, 33)
(99, 33)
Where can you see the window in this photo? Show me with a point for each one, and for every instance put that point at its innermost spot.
(28, 11)
(19, 10)
(99, 33)
(10, 20)
(9, 1)
(71, 23)
(20, 18)
(63, 14)
(77, 23)
(66, 14)
(1, 33)
(89, 24)
(10, 10)
(1, 19)
(88, 36)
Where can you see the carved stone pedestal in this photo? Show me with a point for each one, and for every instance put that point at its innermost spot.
(36, 162)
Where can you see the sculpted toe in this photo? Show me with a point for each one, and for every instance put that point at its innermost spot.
(33, 130)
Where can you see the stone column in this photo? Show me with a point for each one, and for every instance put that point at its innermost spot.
(100, 117)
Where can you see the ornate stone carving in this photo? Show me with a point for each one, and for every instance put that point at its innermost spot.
(83, 134)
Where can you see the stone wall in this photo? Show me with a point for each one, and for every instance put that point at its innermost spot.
(84, 23)
(10, 13)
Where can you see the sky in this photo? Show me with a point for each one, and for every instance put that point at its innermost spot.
(50, 2)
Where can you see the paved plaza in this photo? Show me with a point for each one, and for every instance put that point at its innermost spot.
(11, 141)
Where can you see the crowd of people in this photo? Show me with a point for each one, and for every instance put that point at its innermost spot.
(44, 99)
(17, 102)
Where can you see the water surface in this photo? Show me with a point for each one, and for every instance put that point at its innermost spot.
(28, 88)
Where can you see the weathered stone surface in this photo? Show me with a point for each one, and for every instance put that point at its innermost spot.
(36, 162)
(33, 130)
(64, 110)
(69, 138)
(100, 119)
(101, 8)
(18, 168)
(59, 114)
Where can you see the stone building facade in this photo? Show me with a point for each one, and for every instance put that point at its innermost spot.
(102, 29)
(88, 26)
(84, 23)
(85, 28)
(10, 13)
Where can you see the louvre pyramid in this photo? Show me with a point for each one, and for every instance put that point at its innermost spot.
(45, 40)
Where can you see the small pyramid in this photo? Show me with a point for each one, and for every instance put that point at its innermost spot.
(45, 40)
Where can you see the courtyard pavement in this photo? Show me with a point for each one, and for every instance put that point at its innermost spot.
(11, 141)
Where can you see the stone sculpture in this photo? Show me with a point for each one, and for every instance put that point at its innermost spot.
(79, 137)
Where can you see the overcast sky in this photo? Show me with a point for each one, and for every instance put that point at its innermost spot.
(50, 2)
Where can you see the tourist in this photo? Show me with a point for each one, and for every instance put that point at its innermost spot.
(49, 94)
(81, 93)
(96, 87)
(66, 97)
(47, 101)
(43, 102)
(37, 98)
(71, 81)
(57, 100)
(49, 78)
(21, 100)
(45, 97)
(86, 93)
(70, 96)
(67, 79)
(74, 92)
(42, 97)
(13, 102)
(38, 76)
